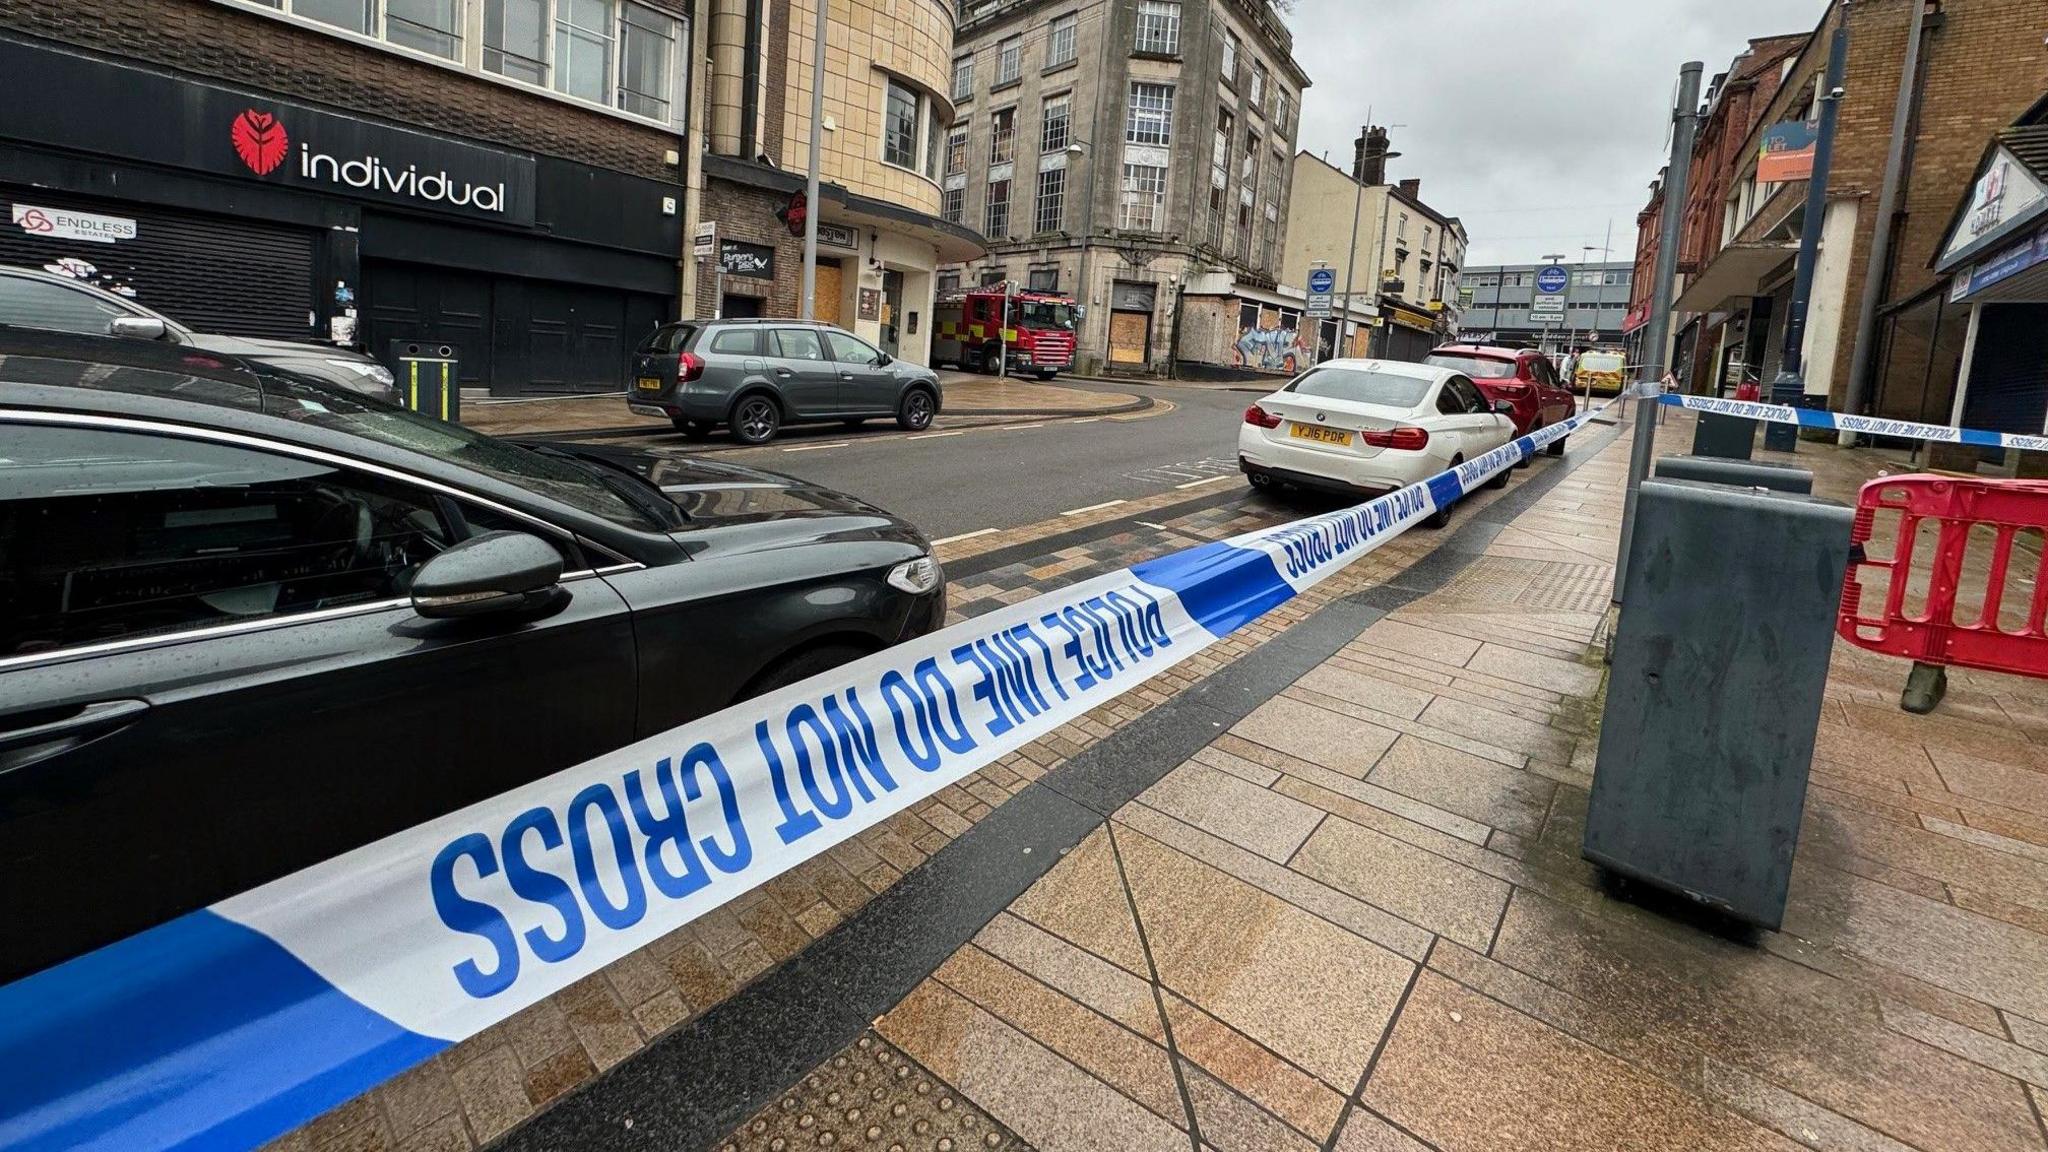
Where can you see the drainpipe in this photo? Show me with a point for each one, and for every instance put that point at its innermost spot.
(750, 83)
(1875, 272)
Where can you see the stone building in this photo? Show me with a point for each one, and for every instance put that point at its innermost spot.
(887, 111)
(1130, 153)
(364, 173)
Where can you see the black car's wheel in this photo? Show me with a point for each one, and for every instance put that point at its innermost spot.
(756, 419)
(1500, 478)
(694, 429)
(1556, 447)
(915, 412)
(801, 666)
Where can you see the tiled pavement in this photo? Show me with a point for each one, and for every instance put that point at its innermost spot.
(1358, 920)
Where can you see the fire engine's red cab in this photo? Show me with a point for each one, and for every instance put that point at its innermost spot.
(971, 333)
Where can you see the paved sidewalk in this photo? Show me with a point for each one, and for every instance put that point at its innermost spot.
(968, 397)
(1358, 919)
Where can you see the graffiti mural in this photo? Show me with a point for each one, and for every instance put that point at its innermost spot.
(1269, 339)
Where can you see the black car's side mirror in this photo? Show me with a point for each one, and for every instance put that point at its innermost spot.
(137, 328)
(884, 360)
(497, 573)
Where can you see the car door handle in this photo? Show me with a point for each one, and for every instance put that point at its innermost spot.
(846, 375)
(784, 372)
(81, 722)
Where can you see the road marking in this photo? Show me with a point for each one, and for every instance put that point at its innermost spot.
(1199, 483)
(1018, 427)
(1089, 420)
(815, 447)
(1094, 507)
(1160, 527)
(935, 436)
(964, 535)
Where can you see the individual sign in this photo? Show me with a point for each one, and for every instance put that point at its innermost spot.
(1322, 281)
(1553, 280)
(1787, 152)
(705, 241)
(1319, 305)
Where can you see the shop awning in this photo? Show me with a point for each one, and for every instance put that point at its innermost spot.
(1738, 270)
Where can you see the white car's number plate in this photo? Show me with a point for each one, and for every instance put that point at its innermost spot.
(1335, 436)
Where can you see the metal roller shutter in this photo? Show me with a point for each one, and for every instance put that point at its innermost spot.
(210, 273)
(2009, 381)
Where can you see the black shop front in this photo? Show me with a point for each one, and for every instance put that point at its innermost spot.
(240, 212)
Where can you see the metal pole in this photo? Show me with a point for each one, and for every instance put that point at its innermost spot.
(810, 296)
(1357, 208)
(1087, 239)
(1887, 207)
(1003, 333)
(1659, 327)
(1790, 386)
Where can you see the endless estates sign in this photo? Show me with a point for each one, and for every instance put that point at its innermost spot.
(86, 105)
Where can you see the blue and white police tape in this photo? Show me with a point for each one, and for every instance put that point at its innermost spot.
(230, 1025)
(1862, 425)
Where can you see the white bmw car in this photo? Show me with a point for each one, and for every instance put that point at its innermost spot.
(1370, 426)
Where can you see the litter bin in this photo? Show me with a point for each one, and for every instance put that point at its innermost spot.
(428, 378)
(1720, 658)
(1739, 473)
(1729, 437)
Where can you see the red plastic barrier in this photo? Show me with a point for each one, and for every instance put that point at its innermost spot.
(1952, 507)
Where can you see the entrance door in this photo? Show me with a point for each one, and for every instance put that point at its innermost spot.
(892, 310)
(2009, 381)
(827, 307)
(437, 305)
(1130, 337)
(739, 307)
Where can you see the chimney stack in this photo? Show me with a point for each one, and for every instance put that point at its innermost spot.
(1369, 156)
(1412, 189)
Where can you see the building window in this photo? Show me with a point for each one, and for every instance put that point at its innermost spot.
(1258, 90)
(1059, 43)
(953, 205)
(1049, 211)
(621, 55)
(430, 26)
(1218, 211)
(1158, 28)
(1002, 147)
(1144, 198)
(998, 216)
(1058, 126)
(963, 78)
(1587, 279)
(1426, 233)
(899, 127)
(1401, 233)
(1150, 120)
(1250, 174)
(353, 15)
(1243, 242)
(1283, 107)
(1226, 127)
(1231, 46)
(1044, 280)
(1009, 59)
(948, 284)
(956, 150)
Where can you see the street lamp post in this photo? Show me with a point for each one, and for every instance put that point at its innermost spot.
(1078, 149)
(810, 281)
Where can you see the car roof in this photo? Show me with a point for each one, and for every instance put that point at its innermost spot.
(1394, 368)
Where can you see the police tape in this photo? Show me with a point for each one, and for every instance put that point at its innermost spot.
(1864, 425)
(231, 1025)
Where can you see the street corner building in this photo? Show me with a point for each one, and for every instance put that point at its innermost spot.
(1133, 156)
(502, 179)
(881, 233)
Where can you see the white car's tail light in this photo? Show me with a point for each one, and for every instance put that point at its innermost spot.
(1402, 439)
(1261, 417)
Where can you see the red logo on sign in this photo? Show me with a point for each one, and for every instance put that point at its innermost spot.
(33, 220)
(260, 141)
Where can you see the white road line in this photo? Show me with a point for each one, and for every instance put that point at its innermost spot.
(964, 536)
(1199, 483)
(935, 436)
(1094, 507)
(1089, 420)
(1160, 527)
(1018, 427)
(815, 447)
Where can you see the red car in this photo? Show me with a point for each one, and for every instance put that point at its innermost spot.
(1521, 376)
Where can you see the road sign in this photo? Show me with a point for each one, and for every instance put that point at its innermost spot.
(1318, 303)
(705, 241)
(1322, 281)
(1549, 302)
(1553, 280)
(1546, 319)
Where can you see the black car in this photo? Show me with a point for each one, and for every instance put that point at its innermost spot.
(248, 622)
(30, 298)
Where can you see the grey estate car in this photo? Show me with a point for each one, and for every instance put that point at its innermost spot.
(754, 376)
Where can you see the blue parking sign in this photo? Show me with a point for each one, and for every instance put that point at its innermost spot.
(1322, 280)
(1553, 280)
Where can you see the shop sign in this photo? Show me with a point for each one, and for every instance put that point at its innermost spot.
(63, 224)
(1987, 205)
(2008, 263)
(160, 119)
(738, 258)
(705, 241)
(838, 236)
(1787, 153)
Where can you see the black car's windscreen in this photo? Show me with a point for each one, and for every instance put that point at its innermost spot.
(1361, 386)
(554, 477)
(1477, 367)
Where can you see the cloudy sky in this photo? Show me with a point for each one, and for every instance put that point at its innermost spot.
(1535, 121)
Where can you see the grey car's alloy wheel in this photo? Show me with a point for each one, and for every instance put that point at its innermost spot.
(915, 413)
(756, 420)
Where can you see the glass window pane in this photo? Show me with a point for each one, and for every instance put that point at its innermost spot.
(39, 304)
(647, 52)
(583, 49)
(353, 15)
(899, 127)
(963, 77)
(1057, 129)
(1059, 46)
(424, 25)
(799, 344)
(515, 39)
(851, 350)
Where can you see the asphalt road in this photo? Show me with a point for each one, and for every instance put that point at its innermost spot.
(952, 482)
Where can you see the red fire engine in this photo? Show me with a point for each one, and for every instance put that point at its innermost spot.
(1038, 338)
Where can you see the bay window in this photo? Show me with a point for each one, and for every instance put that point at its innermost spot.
(899, 126)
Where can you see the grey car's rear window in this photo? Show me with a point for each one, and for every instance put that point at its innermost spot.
(668, 338)
(737, 342)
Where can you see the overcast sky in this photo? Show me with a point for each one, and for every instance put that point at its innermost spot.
(1534, 121)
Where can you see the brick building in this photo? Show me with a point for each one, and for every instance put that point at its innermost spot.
(1981, 66)
(881, 237)
(1132, 154)
(1642, 283)
(364, 173)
